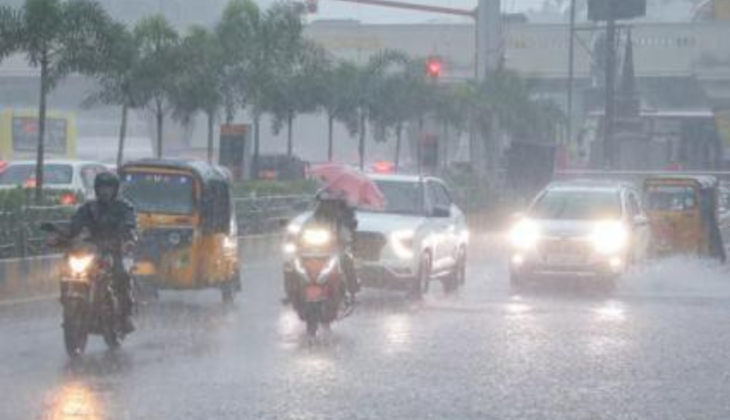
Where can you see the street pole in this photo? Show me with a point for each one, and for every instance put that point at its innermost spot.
(610, 85)
(489, 49)
(571, 75)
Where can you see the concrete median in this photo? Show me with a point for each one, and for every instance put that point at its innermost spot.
(22, 279)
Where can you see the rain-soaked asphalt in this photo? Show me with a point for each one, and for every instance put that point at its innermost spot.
(656, 348)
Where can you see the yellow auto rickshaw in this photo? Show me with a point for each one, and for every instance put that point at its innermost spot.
(187, 225)
(684, 215)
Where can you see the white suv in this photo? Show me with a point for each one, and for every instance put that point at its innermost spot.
(420, 236)
(582, 228)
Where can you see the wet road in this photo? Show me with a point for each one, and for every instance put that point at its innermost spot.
(656, 348)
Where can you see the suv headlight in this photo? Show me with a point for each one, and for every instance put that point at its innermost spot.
(402, 243)
(609, 237)
(524, 234)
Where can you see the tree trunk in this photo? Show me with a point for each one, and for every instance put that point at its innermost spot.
(160, 120)
(330, 143)
(41, 132)
(419, 145)
(211, 134)
(398, 139)
(289, 138)
(361, 143)
(256, 146)
(122, 135)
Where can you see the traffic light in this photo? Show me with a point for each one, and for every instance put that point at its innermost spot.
(434, 66)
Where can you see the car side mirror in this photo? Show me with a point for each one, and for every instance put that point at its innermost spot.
(441, 212)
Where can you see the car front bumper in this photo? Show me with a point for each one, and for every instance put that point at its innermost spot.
(592, 265)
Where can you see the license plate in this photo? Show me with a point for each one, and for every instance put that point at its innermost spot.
(314, 293)
(565, 259)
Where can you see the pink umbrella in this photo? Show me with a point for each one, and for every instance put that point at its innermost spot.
(360, 190)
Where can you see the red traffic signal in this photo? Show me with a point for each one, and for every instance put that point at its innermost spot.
(434, 66)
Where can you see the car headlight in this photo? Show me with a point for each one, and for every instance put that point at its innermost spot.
(294, 228)
(402, 243)
(80, 264)
(524, 234)
(609, 237)
(317, 237)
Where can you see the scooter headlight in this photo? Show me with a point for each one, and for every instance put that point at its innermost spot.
(80, 264)
(609, 237)
(317, 237)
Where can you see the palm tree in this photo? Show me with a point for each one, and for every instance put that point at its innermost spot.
(339, 99)
(119, 81)
(200, 87)
(300, 88)
(59, 38)
(159, 68)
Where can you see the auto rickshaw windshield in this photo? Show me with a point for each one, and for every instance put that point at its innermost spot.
(670, 198)
(160, 193)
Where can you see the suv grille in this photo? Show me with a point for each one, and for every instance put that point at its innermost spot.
(368, 245)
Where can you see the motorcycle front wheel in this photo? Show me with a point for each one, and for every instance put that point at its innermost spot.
(312, 317)
(75, 333)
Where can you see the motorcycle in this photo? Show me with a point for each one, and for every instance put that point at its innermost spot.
(90, 302)
(319, 292)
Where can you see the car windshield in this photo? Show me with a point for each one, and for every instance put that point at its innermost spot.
(159, 193)
(670, 198)
(577, 205)
(401, 197)
(53, 174)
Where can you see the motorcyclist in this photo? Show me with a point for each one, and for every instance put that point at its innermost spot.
(334, 208)
(111, 223)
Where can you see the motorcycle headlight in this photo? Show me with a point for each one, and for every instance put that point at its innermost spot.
(294, 228)
(402, 243)
(80, 264)
(317, 237)
(524, 234)
(609, 237)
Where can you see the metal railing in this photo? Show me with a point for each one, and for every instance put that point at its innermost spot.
(20, 234)
(262, 215)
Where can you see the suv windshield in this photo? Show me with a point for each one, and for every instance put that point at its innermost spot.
(577, 205)
(159, 193)
(401, 197)
(53, 174)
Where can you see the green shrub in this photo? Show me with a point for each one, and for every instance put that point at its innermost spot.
(265, 188)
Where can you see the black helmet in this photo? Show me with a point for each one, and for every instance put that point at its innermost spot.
(106, 179)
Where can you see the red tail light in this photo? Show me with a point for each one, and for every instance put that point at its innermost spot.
(68, 199)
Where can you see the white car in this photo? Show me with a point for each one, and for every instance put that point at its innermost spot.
(420, 236)
(593, 229)
(69, 175)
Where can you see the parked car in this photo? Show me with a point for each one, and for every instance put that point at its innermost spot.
(420, 236)
(593, 229)
(75, 176)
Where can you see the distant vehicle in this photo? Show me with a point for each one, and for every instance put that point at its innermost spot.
(19, 135)
(280, 168)
(592, 229)
(75, 176)
(420, 236)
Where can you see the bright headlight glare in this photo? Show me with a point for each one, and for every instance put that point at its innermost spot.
(609, 237)
(524, 234)
(402, 243)
(80, 264)
(317, 237)
(294, 228)
(289, 248)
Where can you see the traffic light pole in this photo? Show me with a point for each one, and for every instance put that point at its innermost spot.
(610, 87)
(571, 71)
